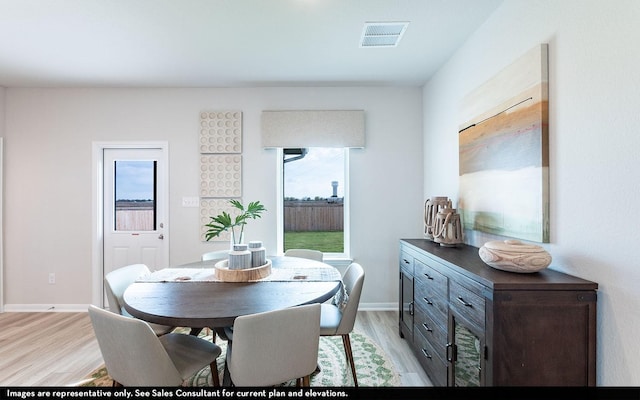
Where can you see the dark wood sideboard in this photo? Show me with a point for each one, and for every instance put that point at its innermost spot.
(473, 325)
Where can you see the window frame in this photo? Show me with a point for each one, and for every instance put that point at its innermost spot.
(335, 259)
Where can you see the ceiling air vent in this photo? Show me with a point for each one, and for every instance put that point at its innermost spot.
(382, 34)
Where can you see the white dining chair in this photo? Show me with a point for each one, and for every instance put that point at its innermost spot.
(305, 253)
(135, 356)
(274, 347)
(215, 255)
(117, 281)
(336, 320)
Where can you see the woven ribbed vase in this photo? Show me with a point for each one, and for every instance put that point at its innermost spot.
(240, 257)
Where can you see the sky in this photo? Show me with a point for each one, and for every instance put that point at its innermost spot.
(134, 180)
(312, 175)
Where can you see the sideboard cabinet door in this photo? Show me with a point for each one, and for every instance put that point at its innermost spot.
(406, 296)
(467, 353)
(554, 334)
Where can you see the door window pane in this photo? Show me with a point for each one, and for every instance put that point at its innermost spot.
(314, 187)
(135, 195)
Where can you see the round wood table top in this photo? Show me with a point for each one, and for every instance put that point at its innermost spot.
(201, 303)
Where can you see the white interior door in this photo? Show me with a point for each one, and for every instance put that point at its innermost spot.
(135, 208)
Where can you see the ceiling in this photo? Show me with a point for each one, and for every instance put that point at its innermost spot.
(227, 43)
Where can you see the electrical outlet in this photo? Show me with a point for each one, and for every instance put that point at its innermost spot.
(190, 202)
(52, 278)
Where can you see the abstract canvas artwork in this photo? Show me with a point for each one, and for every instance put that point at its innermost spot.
(504, 152)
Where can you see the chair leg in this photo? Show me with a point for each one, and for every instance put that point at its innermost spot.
(226, 376)
(221, 333)
(306, 381)
(196, 332)
(214, 373)
(346, 341)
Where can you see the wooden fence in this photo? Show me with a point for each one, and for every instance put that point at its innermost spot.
(309, 216)
(134, 220)
(134, 216)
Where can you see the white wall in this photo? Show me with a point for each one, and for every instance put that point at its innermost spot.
(48, 146)
(2, 280)
(2, 91)
(593, 127)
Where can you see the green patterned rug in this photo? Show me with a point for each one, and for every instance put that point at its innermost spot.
(373, 366)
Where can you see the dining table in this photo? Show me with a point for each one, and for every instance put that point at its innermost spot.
(191, 295)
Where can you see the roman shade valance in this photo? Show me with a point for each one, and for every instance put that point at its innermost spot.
(312, 128)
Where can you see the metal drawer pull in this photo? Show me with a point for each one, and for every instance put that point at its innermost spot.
(405, 261)
(429, 302)
(426, 354)
(411, 308)
(427, 328)
(428, 276)
(464, 303)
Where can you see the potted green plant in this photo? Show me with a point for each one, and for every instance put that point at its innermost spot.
(225, 221)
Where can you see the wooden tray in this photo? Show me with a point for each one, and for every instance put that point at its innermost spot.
(223, 273)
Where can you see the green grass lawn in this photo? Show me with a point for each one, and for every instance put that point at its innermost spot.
(326, 242)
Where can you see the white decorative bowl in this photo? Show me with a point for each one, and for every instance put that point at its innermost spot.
(514, 256)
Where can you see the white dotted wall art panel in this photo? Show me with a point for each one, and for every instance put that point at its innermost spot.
(210, 208)
(220, 132)
(220, 175)
(220, 148)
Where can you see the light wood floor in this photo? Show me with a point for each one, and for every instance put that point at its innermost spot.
(60, 349)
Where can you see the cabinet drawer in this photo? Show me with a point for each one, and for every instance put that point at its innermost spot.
(406, 262)
(426, 299)
(430, 278)
(435, 366)
(467, 304)
(434, 331)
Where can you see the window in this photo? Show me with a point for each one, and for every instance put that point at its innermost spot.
(314, 200)
(135, 206)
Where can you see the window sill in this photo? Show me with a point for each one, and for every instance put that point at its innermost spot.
(338, 262)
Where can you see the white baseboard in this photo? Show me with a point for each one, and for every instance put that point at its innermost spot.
(45, 307)
(378, 307)
(83, 307)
